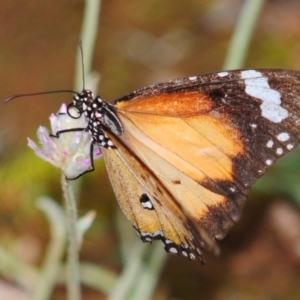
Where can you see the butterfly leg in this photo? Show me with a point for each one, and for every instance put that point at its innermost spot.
(58, 133)
(92, 168)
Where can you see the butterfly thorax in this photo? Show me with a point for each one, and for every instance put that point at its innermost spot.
(101, 117)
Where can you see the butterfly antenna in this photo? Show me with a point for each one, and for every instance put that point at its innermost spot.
(36, 94)
(53, 92)
(82, 63)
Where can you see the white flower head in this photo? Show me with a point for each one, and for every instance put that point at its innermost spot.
(71, 151)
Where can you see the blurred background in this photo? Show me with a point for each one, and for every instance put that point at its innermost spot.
(141, 43)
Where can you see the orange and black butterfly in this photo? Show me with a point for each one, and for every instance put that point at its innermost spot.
(181, 155)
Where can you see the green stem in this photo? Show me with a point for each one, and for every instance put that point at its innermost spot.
(150, 274)
(242, 34)
(88, 35)
(130, 273)
(73, 277)
(52, 262)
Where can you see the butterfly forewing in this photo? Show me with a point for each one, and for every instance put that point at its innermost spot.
(256, 112)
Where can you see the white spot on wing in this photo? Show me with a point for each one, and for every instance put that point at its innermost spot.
(290, 146)
(269, 162)
(184, 253)
(157, 233)
(222, 74)
(270, 144)
(283, 137)
(147, 204)
(192, 256)
(173, 250)
(257, 86)
(279, 151)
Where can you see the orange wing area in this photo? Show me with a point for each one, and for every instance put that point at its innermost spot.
(184, 133)
(187, 150)
(183, 104)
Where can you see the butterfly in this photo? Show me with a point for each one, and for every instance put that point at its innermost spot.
(182, 155)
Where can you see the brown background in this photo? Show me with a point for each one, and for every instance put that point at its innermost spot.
(139, 43)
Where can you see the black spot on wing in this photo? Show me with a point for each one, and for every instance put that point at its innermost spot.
(216, 94)
(146, 202)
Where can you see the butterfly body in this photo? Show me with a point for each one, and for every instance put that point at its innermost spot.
(182, 155)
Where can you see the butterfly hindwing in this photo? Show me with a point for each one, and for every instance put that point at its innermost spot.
(129, 192)
(150, 207)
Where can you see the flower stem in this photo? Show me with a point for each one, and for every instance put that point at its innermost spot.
(89, 29)
(242, 34)
(149, 274)
(130, 273)
(52, 262)
(73, 276)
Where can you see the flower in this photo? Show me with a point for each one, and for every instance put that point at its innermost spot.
(71, 150)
